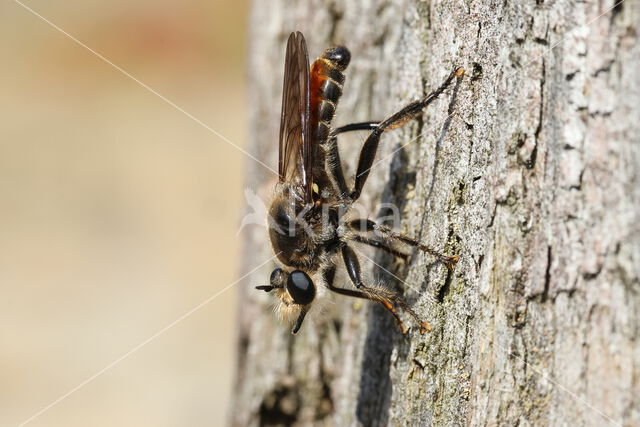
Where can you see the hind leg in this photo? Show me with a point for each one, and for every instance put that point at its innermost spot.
(370, 147)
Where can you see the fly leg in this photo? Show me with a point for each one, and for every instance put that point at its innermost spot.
(366, 225)
(366, 293)
(381, 245)
(353, 127)
(389, 300)
(333, 164)
(333, 167)
(370, 147)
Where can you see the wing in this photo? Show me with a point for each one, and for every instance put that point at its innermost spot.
(296, 154)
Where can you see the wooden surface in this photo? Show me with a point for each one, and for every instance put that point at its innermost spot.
(535, 186)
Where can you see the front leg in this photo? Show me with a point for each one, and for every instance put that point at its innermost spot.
(388, 299)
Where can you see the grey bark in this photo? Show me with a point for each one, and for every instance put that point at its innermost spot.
(535, 185)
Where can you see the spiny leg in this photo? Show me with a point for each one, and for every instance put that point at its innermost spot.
(370, 147)
(366, 225)
(380, 245)
(364, 294)
(449, 261)
(389, 300)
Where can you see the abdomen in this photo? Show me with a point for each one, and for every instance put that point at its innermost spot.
(326, 83)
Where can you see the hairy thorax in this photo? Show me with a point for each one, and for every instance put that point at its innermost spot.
(300, 234)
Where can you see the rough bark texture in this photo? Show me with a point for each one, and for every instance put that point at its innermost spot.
(535, 185)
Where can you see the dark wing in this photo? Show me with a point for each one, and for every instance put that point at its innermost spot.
(296, 154)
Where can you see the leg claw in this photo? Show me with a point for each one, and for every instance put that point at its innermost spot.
(424, 327)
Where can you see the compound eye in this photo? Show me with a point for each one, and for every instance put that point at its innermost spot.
(300, 287)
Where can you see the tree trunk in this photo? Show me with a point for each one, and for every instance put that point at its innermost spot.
(534, 185)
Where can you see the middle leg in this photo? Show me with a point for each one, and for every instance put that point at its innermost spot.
(381, 245)
(368, 226)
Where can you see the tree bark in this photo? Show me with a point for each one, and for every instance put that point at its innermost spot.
(534, 185)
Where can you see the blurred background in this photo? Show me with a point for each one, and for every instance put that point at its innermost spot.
(118, 213)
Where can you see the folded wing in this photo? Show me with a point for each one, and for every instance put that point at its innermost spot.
(295, 152)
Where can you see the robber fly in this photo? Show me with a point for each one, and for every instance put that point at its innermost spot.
(309, 225)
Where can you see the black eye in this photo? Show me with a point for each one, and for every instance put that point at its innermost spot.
(300, 287)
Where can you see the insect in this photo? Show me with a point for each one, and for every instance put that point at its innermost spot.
(309, 223)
